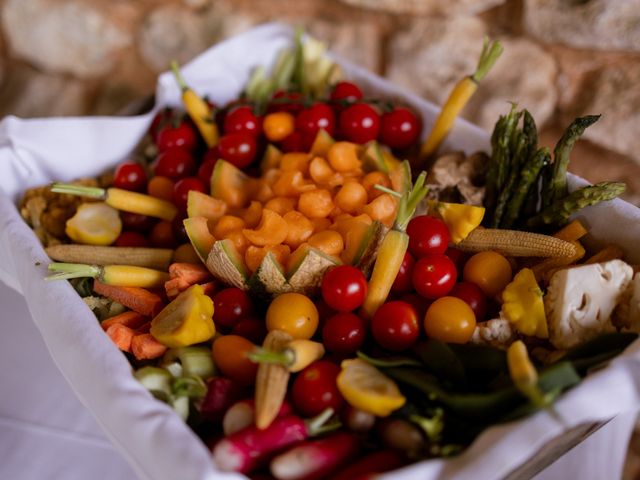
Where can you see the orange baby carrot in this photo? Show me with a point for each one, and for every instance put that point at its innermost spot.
(129, 319)
(120, 335)
(137, 299)
(146, 347)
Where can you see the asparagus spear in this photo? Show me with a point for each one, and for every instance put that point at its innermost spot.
(560, 210)
(517, 161)
(524, 189)
(555, 186)
(531, 133)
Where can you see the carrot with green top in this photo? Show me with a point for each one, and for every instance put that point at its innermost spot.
(459, 97)
(393, 246)
(198, 109)
(124, 200)
(137, 299)
(117, 275)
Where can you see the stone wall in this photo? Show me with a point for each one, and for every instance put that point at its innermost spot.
(563, 58)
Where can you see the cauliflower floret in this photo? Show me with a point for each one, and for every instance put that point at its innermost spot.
(496, 332)
(627, 313)
(580, 300)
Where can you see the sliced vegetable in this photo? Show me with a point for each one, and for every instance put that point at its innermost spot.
(523, 305)
(295, 356)
(121, 335)
(94, 224)
(365, 387)
(186, 320)
(146, 347)
(523, 373)
(460, 219)
(137, 299)
(129, 319)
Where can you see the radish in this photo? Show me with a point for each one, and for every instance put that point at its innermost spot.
(250, 447)
(315, 459)
(242, 414)
(221, 394)
(373, 463)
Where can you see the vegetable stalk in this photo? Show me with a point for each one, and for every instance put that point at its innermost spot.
(393, 247)
(459, 97)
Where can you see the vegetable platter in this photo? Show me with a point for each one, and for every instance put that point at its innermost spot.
(152, 437)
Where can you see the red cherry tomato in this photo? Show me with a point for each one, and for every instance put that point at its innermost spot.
(400, 128)
(395, 326)
(206, 167)
(315, 389)
(293, 143)
(242, 120)
(238, 148)
(251, 328)
(131, 239)
(404, 280)
(458, 257)
(434, 276)
(312, 119)
(472, 294)
(346, 91)
(427, 235)
(179, 230)
(360, 123)
(344, 288)
(174, 163)
(137, 222)
(181, 191)
(420, 304)
(231, 305)
(343, 333)
(287, 102)
(161, 118)
(181, 136)
(130, 176)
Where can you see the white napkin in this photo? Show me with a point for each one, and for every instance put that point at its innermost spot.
(154, 440)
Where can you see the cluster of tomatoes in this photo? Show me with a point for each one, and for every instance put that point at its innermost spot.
(439, 293)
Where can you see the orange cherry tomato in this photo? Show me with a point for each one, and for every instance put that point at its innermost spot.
(230, 356)
(293, 313)
(450, 320)
(278, 126)
(488, 270)
(161, 187)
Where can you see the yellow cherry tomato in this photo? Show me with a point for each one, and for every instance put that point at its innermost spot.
(488, 270)
(293, 313)
(450, 320)
(278, 126)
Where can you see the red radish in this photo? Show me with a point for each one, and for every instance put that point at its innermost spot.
(250, 447)
(373, 463)
(221, 394)
(315, 459)
(242, 414)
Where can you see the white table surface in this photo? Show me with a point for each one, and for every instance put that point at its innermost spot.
(46, 433)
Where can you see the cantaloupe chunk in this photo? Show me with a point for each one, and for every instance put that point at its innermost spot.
(272, 230)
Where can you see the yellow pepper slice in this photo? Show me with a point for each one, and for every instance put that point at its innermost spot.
(460, 219)
(94, 224)
(523, 305)
(365, 387)
(187, 320)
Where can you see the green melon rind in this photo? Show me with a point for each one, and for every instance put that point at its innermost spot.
(366, 242)
(202, 205)
(307, 277)
(366, 257)
(269, 280)
(225, 264)
(198, 232)
(227, 174)
(271, 158)
(373, 160)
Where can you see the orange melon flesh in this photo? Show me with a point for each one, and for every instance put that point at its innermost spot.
(202, 205)
(271, 158)
(322, 143)
(231, 185)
